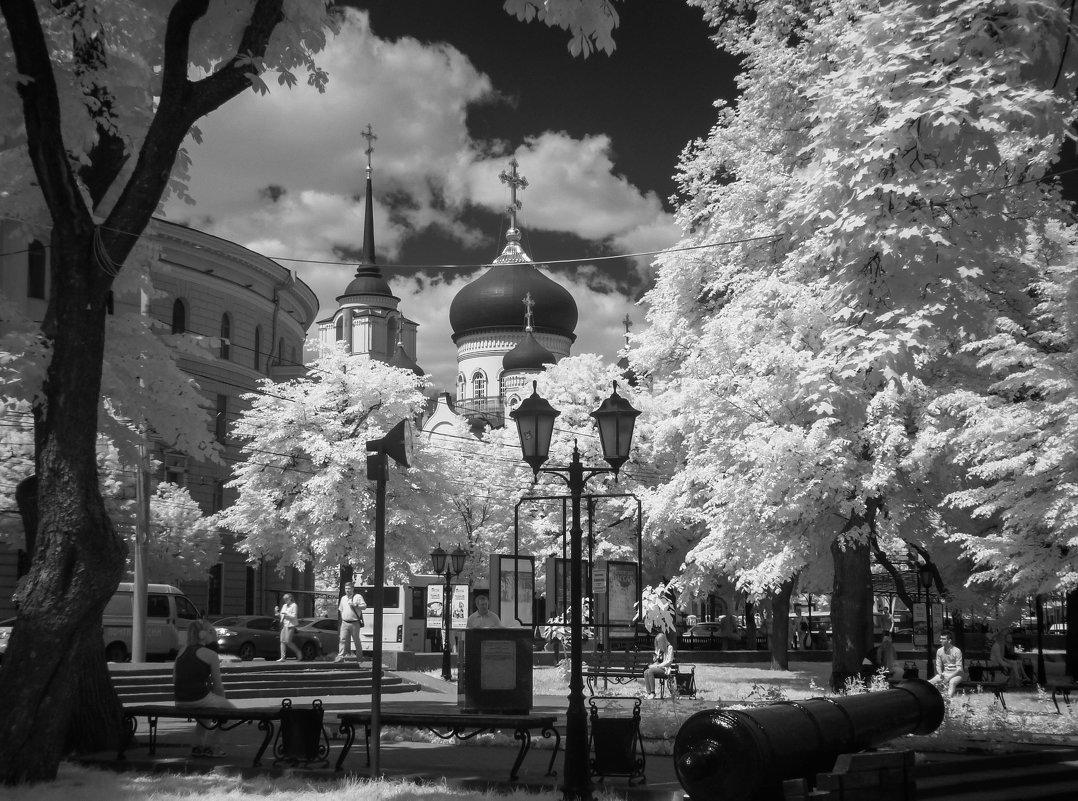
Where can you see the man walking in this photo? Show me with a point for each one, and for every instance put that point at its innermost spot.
(350, 612)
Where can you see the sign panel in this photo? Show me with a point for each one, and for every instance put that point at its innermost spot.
(516, 590)
(435, 593)
(621, 592)
(459, 606)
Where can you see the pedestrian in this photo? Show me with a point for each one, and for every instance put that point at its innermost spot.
(482, 617)
(196, 682)
(660, 665)
(950, 668)
(288, 614)
(350, 611)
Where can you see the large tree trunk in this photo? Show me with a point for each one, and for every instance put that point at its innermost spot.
(851, 609)
(1071, 656)
(54, 668)
(780, 626)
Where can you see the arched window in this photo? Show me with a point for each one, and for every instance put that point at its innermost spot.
(392, 327)
(258, 347)
(479, 384)
(461, 384)
(35, 270)
(340, 328)
(226, 335)
(179, 317)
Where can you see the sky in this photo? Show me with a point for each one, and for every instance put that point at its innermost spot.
(453, 90)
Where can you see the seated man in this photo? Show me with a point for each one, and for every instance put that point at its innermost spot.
(950, 667)
(886, 655)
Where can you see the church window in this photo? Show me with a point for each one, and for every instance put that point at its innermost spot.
(513, 402)
(179, 317)
(340, 328)
(35, 271)
(258, 347)
(392, 327)
(226, 333)
(479, 384)
(461, 384)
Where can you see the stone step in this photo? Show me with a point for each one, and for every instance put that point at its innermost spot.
(154, 684)
(1031, 776)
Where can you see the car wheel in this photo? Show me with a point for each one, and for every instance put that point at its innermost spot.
(247, 652)
(310, 651)
(116, 652)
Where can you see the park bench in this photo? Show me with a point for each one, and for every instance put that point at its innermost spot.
(459, 725)
(995, 686)
(619, 667)
(209, 717)
(1063, 690)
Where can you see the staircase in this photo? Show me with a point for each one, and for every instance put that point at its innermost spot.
(152, 684)
(1040, 774)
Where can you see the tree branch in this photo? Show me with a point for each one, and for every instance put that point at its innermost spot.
(41, 111)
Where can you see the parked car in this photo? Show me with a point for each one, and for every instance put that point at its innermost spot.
(250, 636)
(5, 635)
(323, 629)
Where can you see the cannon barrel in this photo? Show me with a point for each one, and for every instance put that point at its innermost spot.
(745, 755)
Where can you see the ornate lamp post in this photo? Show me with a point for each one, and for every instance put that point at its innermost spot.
(453, 567)
(616, 419)
(924, 577)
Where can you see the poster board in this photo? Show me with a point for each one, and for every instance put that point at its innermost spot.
(622, 592)
(557, 584)
(458, 606)
(512, 583)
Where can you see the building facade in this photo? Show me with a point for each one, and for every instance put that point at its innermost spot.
(257, 312)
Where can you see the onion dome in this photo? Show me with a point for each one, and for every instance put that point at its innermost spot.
(402, 361)
(490, 301)
(527, 355)
(493, 299)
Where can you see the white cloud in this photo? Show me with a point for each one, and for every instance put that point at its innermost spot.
(416, 97)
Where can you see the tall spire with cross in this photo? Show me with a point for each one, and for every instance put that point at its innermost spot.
(515, 182)
(368, 213)
(628, 323)
(371, 138)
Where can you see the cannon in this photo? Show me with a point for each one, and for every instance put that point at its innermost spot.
(745, 755)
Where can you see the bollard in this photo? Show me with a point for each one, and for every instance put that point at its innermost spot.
(744, 755)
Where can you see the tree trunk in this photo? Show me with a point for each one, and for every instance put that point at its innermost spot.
(1071, 657)
(851, 609)
(750, 626)
(56, 649)
(780, 626)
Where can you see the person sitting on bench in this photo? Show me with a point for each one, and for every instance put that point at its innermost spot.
(660, 665)
(196, 681)
(1002, 657)
(950, 668)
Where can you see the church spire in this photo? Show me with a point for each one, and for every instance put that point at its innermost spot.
(515, 182)
(368, 217)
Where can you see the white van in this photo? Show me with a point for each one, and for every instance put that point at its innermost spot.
(168, 614)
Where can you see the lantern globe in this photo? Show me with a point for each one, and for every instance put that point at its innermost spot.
(457, 560)
(616, 419)
(437, 557)
(535, 425)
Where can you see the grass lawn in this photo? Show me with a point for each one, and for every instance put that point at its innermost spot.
(971, 721)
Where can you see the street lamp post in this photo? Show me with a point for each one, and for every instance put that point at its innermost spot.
(454, 566)
(616, 419)
(924, 576)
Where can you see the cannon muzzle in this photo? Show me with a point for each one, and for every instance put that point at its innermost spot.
(745, 755)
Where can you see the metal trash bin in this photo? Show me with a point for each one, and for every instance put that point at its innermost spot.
(302, 739)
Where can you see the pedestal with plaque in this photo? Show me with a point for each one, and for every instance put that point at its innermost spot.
(495, 671)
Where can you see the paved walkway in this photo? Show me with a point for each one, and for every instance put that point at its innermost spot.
(469, 765)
